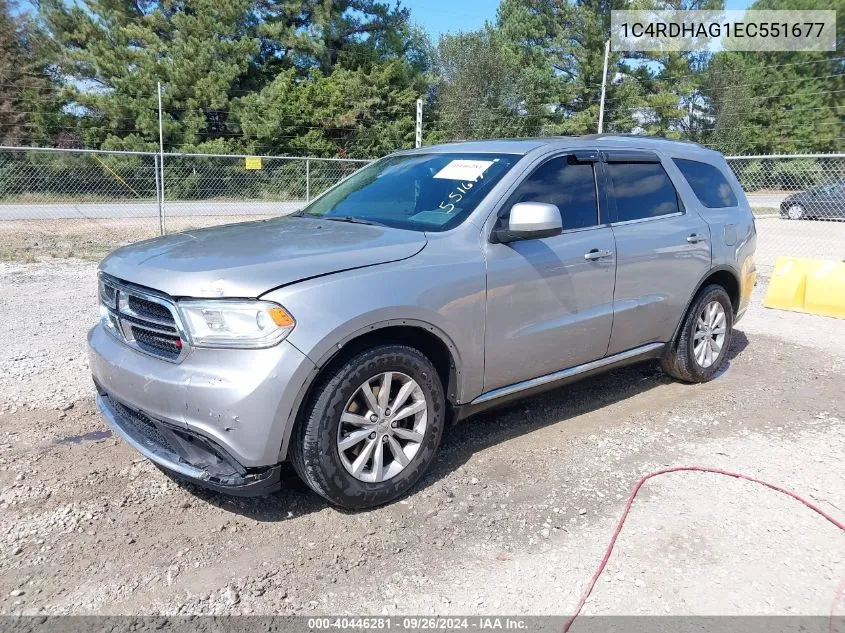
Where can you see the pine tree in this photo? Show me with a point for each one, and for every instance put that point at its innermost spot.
(567, 40)
(25, 104)
(779, 102)
(114, 52)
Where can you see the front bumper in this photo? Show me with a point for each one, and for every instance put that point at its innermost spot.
(240, 400)
(185, 454)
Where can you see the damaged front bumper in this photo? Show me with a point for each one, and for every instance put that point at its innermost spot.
(215, 410)
(187, 455)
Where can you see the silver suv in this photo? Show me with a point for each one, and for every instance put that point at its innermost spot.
(426, 287)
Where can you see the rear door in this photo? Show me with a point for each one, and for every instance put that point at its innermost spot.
(662, 249)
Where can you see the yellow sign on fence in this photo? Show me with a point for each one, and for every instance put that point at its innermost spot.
(252, 162)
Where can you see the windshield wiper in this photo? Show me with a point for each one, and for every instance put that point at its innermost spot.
(335, 218)
(351, 219)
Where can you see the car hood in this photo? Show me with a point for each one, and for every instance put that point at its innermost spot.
(249, 259)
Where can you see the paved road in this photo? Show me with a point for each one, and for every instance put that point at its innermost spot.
(804, 238)
(770, 200)
(144, 209)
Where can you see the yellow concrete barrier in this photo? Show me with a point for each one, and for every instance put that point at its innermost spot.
(815, 286)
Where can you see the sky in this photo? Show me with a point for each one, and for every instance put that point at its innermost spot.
(445, 16)
(438, 17)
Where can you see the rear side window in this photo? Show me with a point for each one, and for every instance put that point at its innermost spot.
(642, 190)
(709, 184)
(569, 186)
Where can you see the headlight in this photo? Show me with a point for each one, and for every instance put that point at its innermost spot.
(240, 324)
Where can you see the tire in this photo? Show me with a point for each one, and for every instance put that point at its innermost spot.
(795, 211)
(316, 452)
(682, 362)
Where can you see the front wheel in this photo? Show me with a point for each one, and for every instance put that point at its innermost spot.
(372, 428)
(704, 338)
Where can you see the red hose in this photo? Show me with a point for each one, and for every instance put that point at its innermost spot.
(704, 469)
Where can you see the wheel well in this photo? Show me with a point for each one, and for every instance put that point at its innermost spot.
(729, 282)
(424, 341)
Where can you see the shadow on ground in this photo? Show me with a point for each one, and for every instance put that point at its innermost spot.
(477, 433)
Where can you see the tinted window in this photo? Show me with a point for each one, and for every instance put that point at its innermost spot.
(570, 186)
(642, 190)
(708, 183)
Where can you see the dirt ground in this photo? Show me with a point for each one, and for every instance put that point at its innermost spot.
(512, 519)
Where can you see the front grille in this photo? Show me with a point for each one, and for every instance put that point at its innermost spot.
(143, 320)
(144, 308)
(155, 343)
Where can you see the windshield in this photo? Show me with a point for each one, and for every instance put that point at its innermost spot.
(422, 192)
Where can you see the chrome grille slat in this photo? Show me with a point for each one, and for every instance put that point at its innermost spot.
(155, 327)
(146, 322)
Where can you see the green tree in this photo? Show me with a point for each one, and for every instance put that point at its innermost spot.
(351, 112)
(309, 34)
(113, 53)
(778, 102)
(482, 89)
(670, 81)
(27, 108)
(567, 40)
(228, 69)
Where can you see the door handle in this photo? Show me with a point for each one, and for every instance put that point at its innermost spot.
(695, 239)
(597, 254)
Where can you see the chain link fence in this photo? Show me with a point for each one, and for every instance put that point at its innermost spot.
(86, 202)
(798, 202)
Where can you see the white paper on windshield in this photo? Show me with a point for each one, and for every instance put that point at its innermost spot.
(466, 170)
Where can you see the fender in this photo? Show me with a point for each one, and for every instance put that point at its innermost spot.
(698, 287)
(453, 390)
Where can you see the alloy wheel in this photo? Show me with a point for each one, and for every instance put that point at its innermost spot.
(382, 427)
(710, 333)
(795, 212)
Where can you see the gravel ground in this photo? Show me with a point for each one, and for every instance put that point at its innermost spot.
(512, 519)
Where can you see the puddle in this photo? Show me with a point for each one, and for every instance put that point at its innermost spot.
(93, 436)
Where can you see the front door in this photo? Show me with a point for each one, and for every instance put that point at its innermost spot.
(550, 301)
(662, 250)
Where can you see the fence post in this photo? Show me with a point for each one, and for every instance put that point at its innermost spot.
(307, 180)
(418, 140)
(161, 161)
(159, 196)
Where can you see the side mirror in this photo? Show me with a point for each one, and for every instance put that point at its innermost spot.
(529, 221)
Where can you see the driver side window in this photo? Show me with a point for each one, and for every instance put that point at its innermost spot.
(569, 186)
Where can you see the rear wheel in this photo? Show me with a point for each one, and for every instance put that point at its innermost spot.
(372, 427)
(704, 338)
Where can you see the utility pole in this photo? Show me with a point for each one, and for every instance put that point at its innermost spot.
(161, 164)
(603, 86)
